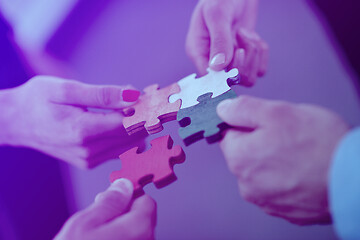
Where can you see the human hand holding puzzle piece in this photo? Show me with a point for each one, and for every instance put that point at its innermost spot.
(192, 101)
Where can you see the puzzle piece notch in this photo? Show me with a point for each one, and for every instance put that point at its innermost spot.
(152, 110)
(155, 165)
(201, 121)
(216, 82)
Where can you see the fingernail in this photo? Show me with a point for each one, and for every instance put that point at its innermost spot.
(218, 59)
(130, 95)
(122, 185)
(223, 106)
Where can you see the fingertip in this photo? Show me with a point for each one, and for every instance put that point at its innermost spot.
(122, 185)
(223, 107)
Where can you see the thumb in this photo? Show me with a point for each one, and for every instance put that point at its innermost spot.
(243, 111)
(221, 40)
(97, 96)
(111, 203)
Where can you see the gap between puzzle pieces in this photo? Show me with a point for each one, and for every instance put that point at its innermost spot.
(158, 106)
(155, 165)
(201, 121)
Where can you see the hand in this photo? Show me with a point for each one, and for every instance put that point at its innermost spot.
(222, 35)
(51, 115)
(282, 164)
(113, 216)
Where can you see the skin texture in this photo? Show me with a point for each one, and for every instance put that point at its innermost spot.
(113, 215)
(282, 160)
(52, 115)
(222, 35)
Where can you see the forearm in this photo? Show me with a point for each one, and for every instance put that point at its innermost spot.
(7, 116)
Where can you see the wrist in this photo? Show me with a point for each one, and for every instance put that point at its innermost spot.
(7, 117)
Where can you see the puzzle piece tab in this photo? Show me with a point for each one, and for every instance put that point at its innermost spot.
(215, 82)
(154, 165)
(152, 109)
(201, 120)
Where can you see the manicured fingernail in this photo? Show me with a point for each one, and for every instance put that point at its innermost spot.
(223, 106)
(122, 185)
(130, 95)
(218, 59)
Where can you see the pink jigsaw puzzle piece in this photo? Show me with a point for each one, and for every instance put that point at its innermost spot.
(152, 109)
(154, 165)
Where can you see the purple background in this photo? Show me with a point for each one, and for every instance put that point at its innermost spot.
(142, 42)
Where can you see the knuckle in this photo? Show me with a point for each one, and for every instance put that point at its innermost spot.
(106, 96)
(102, 97)
(280, 110)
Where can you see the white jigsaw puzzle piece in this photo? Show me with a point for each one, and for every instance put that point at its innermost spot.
(192, 87)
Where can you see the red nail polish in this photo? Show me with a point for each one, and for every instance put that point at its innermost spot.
(130, 95)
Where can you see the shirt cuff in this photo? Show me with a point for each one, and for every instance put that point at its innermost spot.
(344, 187)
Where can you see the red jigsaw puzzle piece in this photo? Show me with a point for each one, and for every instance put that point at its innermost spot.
(152, 109)
(154, 165)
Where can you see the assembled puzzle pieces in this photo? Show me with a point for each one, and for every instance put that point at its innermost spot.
(154, 165)
(201, 120)
(152, 109)
(216, 82)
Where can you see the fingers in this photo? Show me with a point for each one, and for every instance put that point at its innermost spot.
(243, 111)
(109, 204)
(251, 57)
(97, 96)
(138, 223)
(198, 42)
(218, 22)
(235, 146)
(99, 123)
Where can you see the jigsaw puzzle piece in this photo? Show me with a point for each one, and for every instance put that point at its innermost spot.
(216, 82)
(155, 165)
(201, 121)
(152, 110)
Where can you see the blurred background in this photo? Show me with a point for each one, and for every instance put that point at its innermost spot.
(142, 42)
